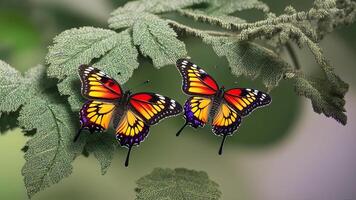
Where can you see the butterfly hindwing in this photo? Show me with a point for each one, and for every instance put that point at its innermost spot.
(245, 100)
(131, 129)
(96, 85)
(195, 80)
(226, 120)
(196, 111)
(153, 107)
(96, 115)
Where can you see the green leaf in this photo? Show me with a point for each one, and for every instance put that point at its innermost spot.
(325, 97)
(49, 154)
(70, 87)
(134, 11)
(177, 184)
(51, 150)
(158, 41)
(157, 6)
(78, 46)
(122, 18)
(103, 146)
(250, 59)
(121, 59)
(13, 88)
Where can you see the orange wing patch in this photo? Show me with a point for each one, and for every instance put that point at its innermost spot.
(96, 116)
(226, 120)
(197, 110)
(154, 107)
(245, 100)
(98, 85)
(131, 129)
(195, 80)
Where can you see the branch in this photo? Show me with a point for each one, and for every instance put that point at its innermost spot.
(196, 32)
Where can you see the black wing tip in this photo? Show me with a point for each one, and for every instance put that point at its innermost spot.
(83, 66)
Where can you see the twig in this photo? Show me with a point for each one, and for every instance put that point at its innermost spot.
(197, 32)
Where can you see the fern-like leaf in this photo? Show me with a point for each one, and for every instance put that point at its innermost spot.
(177, 184)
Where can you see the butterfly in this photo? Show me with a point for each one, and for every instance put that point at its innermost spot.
(130, 114)
(209, 103)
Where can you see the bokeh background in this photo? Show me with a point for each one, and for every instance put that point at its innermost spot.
(284, 151)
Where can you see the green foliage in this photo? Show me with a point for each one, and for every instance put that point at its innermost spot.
(253, 49)
(49, 156)
(158, 41)
(13, 86)
(103, 148)
(50, 152)
(250, 59)
(80, 46)
(177, 184)
(325, 97)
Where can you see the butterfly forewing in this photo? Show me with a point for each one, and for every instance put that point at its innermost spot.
(96, 85)
(195, 80)
(153, 107)
(245, 100)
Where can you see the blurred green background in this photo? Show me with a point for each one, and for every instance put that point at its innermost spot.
(283, 151)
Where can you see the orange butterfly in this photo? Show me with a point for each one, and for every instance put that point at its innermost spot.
(130, 114)
(223, 108)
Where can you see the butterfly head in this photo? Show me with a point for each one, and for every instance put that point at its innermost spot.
(128, 92)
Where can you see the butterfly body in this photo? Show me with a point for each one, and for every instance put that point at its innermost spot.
(131, 115)
(216, 101)
(209, 103)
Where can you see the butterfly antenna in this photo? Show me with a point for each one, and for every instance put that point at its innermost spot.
(222, 144)
(181, 129)
(139, 85)
(128, 157)
(78, 134)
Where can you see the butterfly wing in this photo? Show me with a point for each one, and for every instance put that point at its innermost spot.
(96, 85)
(131, 129)
(195, 80)
(245, 100)
(196, 111)
(96, 116)
(153, 107)
(226, 120)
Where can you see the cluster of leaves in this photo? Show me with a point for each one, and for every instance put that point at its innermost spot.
(46, 100)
